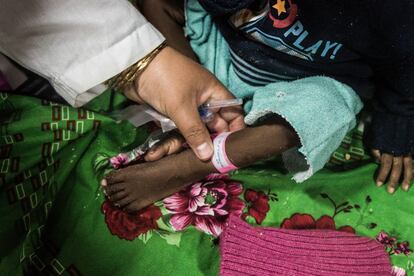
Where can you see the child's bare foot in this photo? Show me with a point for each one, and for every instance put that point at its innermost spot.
(137, 186)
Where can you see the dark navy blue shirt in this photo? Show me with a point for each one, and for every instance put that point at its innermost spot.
(367, 44)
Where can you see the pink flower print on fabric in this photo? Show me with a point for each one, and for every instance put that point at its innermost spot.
(206, 204)
(392, 245)
(402, 248)
(385, 239)
(119, 160)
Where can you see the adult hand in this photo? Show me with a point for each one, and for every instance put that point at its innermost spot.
(176, 86)
(392, 168)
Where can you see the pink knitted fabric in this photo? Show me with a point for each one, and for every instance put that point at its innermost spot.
(246, 250)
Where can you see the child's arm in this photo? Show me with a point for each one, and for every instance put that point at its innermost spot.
(137, 186)
(168, 17)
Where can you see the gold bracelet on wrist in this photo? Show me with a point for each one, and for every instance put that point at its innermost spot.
(128, 76)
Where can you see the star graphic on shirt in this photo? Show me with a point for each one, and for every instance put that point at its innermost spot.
(280, 7)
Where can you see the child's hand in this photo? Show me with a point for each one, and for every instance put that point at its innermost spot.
(175, 142)
(172, 144)
(392, 167)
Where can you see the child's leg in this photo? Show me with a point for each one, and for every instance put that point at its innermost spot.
(140, 185)
(168, 17)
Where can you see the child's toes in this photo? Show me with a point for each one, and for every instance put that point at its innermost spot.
(123, 202)
(115, 177)
(109, 190)
(118, 196)
(104, 183)
(134, 206)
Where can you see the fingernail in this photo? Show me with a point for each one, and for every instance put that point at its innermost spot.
(391, 190)
(204, 151)
(104, 183)
(380, 183)
(405, 187)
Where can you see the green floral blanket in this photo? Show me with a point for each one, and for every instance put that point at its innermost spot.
(54, 219)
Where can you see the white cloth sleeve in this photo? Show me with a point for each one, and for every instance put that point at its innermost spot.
(75, 44)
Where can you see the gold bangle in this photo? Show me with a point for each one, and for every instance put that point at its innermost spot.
(128, 76)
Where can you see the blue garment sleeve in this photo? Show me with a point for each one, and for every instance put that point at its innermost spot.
(392, 128)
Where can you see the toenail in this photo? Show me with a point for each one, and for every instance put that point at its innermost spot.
(391, 190)
(104, 182)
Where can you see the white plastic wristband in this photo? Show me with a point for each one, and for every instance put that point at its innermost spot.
(220, 159)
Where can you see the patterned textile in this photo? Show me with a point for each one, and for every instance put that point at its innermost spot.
(54, 219)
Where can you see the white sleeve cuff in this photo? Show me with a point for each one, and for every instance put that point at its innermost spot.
(82, 81)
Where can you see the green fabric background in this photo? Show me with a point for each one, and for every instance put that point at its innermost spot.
(50, 209)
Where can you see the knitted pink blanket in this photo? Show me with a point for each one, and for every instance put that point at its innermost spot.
(246, 250)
